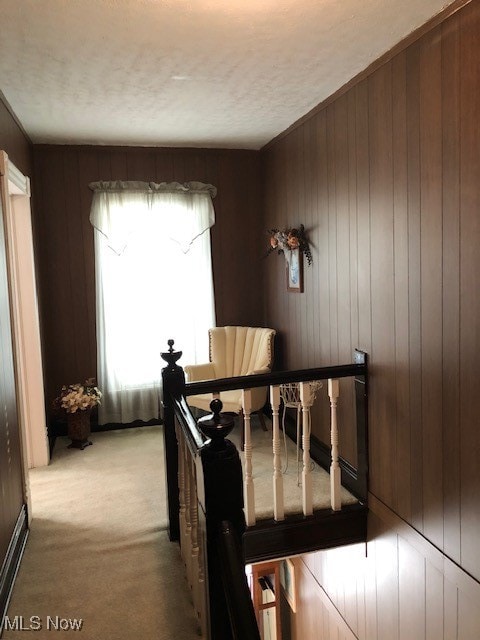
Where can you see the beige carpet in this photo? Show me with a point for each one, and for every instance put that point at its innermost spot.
(262, 464)
(98, 549)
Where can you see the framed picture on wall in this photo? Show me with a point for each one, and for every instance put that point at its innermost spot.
(294, 259)
(288, 582)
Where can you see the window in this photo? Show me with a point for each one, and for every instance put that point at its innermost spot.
(153, 282)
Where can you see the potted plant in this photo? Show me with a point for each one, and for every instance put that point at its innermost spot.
(78, 400)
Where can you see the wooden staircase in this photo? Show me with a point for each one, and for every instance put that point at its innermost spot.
(208, 491)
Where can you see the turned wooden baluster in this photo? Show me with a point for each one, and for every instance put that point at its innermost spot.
(181, 489)
(335, 473)
(202, 587)
(188, 518)
(307, 496)
(195, 560)
(249, 491)
(278, 500)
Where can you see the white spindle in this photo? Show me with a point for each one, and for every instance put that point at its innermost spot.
(188, 519)
(335, 474)
(306, 400)
(195, 546)
(181, 489)
(202, 587)
(278, 502)
(247, 453)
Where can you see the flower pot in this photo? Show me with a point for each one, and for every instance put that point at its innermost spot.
(78, 424)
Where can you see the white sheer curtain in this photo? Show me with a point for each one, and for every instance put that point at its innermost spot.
(153, 282)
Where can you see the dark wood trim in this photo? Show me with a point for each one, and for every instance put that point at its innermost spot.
(276, 377)
(12, 562)
(59, 427)
(237, 594)
(361, 406)
(374, 66)
(298, 534)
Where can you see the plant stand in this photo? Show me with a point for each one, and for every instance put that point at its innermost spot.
(78, 424)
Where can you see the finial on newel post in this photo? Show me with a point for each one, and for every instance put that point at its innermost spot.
(216, 426)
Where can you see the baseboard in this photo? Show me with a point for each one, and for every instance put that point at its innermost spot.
(59, 427)
(12, 562)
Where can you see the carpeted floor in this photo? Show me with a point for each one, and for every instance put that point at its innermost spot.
(98, 549)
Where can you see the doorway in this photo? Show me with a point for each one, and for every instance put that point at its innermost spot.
(15, 191)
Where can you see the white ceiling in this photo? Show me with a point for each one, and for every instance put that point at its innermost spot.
(205, 73)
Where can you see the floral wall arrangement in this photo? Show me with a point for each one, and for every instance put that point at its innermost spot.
(289, 240)
(293, 243)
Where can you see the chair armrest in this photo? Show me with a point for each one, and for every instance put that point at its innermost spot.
(196, 372)
(255, 372)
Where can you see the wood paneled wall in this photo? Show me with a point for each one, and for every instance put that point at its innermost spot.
(386, 180)
(65, 248)
(396, 587)
(18, 148)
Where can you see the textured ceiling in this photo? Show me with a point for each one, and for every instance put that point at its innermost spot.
(212, 73)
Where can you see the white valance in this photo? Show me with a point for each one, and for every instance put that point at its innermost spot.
(119, 209)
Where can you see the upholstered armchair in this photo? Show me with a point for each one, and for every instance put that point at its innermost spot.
(234, 351)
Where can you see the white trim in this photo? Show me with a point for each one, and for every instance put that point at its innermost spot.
(25, 320)
(18, 184)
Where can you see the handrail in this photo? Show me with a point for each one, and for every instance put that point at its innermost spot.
(216, 474)
(237, 594)
(194, 437)
(274, 378)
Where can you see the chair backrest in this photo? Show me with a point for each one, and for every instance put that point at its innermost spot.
(238, 351)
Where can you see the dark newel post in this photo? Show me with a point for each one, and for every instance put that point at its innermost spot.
(173, 387)
(223, 483)
(361, 402)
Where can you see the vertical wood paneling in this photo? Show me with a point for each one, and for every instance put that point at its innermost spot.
(399, 151)
(411, 592)
(65, 248)
(433, 602)
(343, 257)
(387, 584)
(363, 215)
(11, 468)
(383, 420)
(468, 618)
(310, 308)
(450, 611)
(414, 291)
(400, 231)
(352, 209)
(469, 278)
(332, 235)
(431, 286)
(321, 256)
(451, 291)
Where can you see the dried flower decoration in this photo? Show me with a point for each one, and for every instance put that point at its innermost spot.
(288, 240)
(78, 397)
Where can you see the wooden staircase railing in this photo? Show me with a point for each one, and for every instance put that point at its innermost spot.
(205, 488)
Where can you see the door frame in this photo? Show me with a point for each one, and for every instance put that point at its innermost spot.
(15, 193)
